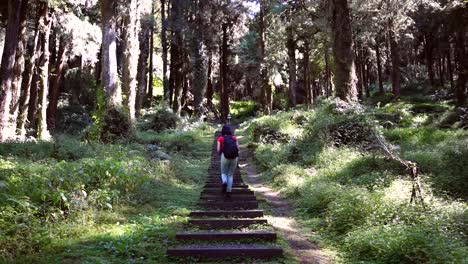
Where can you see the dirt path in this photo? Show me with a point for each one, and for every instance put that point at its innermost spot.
(297, 237)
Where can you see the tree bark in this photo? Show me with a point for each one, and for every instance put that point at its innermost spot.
(395, 57)
(224, 74)
(18, 71)
(209, 85)
(149, 97)
(428, 52)
(8, 63)
(131, 46)
(310, 95)
(345, 72)
(27, 85)
(55, 88)
(379, 67)
(142, 67)
(45, 26)
(110, 76)
(199, 71)
(291, 45)
(450, 69)
(167, 98)
(328, 71)
(265, 86)
(462, 67)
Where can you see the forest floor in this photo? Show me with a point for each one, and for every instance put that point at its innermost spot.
(280, 214)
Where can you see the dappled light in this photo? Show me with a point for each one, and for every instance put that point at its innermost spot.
(240, 131)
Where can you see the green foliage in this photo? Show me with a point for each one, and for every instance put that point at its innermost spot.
(359, 199)
(116, 125)
(243, 110)
(163, 119)
(67, 200)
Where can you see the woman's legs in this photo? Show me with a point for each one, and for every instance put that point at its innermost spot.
(232, 165)
(224, 171)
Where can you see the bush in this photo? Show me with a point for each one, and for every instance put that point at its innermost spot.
(163, 119)
(116, 125)
(350, 209)
(401, 243)
(242, 110)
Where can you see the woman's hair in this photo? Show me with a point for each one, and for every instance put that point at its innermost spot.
(226, 131)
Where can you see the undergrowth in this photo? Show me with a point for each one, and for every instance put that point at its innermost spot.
(354, 196)
(67, 201)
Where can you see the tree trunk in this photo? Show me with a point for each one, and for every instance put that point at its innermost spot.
(345, 74)
(450, 69)
(8, 63)
(55, 88)
(199, 71)
(462, 67)
(167, 98)
(395, 56)
(110, 76)
(310, 96)
(131, 46)
(18, 71)
(429, 59)
(379, 67)
(45, 26)
(265, 86)
(149, 97)
(209, 85)
(143, 66)
(291, 45)
(27, 85)
(328, 71)
(224, 74)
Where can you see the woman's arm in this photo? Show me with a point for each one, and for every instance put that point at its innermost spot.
(218, 147)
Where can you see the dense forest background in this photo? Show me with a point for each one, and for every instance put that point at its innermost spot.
(356, 110)
(65, 57)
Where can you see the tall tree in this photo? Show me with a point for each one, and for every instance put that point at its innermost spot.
(110, 76)
(8, 63)
(131, 46)
(345, 73)
(164, 52)
(291, 46)
(43, 87)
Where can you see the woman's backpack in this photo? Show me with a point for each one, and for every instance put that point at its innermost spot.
(230, 149)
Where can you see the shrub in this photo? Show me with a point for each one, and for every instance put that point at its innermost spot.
(116, 125)
(401, 243)
(350, 209)
(317, 196)
(242, 110)
(163, 119)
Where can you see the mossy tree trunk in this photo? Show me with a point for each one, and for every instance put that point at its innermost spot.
(43, 88)
(345, 72)
(131, 46)
(110, 76)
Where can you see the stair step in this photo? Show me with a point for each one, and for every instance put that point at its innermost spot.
(233, 198)
(228, 213)
(221, 252)
(225, 223)
(234, 191)
(228, 205)
(261, 235)
(216, 185)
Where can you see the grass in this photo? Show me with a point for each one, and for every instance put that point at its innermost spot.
(355, 198)
(68, 202)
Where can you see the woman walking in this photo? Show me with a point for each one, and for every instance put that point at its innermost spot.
(228, 148)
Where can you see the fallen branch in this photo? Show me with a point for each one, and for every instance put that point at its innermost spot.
(412, 167)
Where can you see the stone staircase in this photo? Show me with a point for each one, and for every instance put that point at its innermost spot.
(226, 228)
